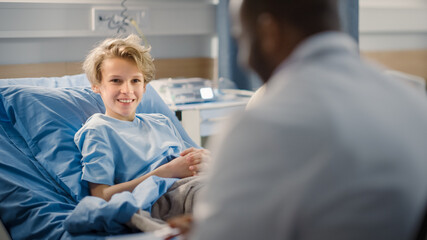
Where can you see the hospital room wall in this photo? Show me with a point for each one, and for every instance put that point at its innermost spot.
(48, 31)
(394, 33)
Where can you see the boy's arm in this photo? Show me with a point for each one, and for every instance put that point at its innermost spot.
(105, 191)
(177, 168)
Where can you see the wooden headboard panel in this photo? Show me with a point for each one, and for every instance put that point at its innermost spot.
(165, 68)
(409, 61)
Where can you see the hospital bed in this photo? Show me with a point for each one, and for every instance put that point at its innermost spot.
(40, 167)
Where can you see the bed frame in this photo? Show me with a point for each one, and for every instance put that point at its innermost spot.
(3, 232)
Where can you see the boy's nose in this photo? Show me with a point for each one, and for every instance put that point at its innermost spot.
(126, 88)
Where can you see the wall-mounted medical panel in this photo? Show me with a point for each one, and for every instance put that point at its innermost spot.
(46, 31)
(53, 19)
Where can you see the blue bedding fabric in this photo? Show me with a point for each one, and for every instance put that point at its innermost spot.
(95, 214)
(32, 205)
(40, 165)
(27, 194)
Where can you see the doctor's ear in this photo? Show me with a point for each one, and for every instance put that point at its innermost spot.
(269, 32)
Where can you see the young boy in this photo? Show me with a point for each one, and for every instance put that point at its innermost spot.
(120, 148)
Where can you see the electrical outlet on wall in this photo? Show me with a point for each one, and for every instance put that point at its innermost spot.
(116, 20)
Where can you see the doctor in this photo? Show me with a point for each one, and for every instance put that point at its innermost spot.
(334, 150)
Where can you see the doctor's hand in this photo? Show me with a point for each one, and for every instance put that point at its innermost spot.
(183, 223)
(196, 158)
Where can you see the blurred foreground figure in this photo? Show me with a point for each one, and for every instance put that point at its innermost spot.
(334, 149)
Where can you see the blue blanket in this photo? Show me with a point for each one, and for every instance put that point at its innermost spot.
(95, 214)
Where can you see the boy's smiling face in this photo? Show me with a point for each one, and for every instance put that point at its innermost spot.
(122, 87)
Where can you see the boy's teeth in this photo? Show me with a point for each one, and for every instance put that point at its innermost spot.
(125, 101)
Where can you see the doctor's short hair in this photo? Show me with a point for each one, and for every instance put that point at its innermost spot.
(309, 16)
(129, 48)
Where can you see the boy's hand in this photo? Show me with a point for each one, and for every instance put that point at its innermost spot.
(177, 168)
(187, 164)
(196, 158)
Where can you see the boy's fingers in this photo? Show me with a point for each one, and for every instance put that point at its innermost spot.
(193, 168)
(197, 167)
(195, 158)
(187, 151)
(194, 150)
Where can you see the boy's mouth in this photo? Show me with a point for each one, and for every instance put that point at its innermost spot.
(125, 100)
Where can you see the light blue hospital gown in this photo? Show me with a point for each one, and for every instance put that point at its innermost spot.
(115, 151)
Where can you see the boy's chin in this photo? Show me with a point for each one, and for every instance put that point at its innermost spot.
(123, 116)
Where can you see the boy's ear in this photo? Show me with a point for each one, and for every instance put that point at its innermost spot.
(145, 87)
(95, 88)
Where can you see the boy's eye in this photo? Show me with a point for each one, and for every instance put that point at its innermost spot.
(115, 80)
(136, 80)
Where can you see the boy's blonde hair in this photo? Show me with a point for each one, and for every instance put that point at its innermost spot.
(127, 48)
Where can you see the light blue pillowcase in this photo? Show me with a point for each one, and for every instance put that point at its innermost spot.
(47, 119)
(78, 80)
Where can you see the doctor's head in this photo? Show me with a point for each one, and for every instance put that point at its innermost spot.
(268, 31)
(119, 70)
